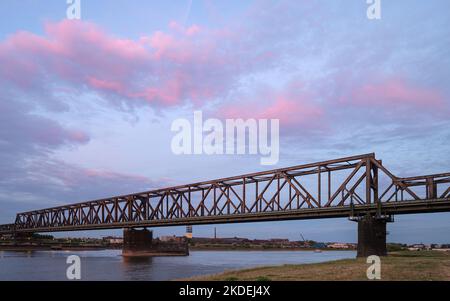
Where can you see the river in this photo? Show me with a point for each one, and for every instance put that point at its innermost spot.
(110, 265)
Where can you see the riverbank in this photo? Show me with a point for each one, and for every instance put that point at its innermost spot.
(403, 265)
(29, 248)
(238, 248)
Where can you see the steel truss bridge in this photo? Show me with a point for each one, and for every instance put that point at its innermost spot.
(346, 187)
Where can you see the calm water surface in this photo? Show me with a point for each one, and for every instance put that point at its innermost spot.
(109, 265)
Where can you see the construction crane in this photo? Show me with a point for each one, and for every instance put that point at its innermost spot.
(302, 238)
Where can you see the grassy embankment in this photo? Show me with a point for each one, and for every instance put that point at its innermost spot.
(402, 265)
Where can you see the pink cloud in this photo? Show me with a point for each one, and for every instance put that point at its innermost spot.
(184, 64)
(99, 84)
(292, 106)
(397, 93)
(292, 112)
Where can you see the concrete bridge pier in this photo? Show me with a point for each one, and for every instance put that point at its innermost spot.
(134, 239)
(372, 235)
(141, 243)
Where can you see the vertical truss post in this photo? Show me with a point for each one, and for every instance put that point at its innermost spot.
(256, 195)
(203, 207)
(80, 209)
(319, 186)
(130, 208)
(243, 196)
(375, 189)
(329, 185)
(278, 193)
(431, 188)
(368, 181)
(190, 211)
(116, 210)
(375, 183)
(215, 199)
(103, 212)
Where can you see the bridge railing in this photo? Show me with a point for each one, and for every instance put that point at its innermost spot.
(357, 180)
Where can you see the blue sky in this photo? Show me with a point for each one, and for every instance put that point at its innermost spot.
(87, 105)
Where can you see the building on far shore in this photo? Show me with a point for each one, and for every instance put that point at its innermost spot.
(172, 238)
(416, 247)
(113, 240)
(339, 245)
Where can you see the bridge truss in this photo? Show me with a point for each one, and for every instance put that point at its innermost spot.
(346, 187)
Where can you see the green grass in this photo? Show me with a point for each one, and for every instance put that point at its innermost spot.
(401, 265)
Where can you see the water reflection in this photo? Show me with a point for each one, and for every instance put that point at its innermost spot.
(138, 260)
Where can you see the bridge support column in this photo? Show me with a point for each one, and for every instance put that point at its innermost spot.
(372, 236)
(134, 240)
(141, 243)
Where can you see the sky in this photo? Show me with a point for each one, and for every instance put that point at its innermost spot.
(87, 105)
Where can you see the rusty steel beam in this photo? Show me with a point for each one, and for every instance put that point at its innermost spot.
(276, 194)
